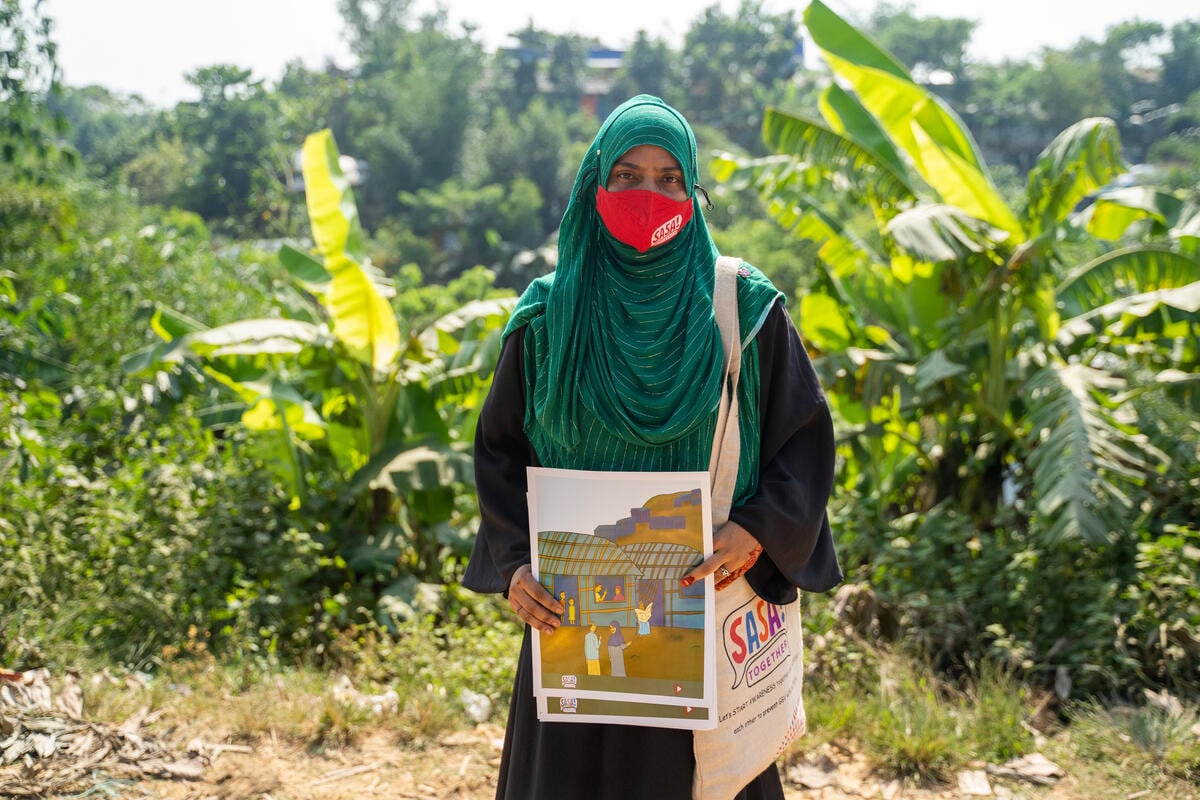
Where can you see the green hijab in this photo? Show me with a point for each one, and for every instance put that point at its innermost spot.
(622, 341)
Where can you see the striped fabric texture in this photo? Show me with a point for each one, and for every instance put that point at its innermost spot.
(623, 358)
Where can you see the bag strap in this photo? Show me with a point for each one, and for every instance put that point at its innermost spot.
(726, 448)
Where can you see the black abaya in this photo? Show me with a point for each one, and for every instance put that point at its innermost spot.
(553, 761)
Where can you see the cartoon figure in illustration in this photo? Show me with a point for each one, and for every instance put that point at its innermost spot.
(600, 593)
(616, 650)
(642, 612)
(562, 598)
(618, 594)
(591, 650)
(571, 611)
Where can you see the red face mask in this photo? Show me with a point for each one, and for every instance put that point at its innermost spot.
(641, 218)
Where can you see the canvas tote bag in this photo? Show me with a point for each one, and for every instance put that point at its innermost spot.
(760, 650)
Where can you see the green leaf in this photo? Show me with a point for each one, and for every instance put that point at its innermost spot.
(815, 146)
(254, 337)
(823, 323)
(934, 368)
(834, 34)
(787, 181)
(942, 233)
(1186, 230)
(1080, 160)
(26, 365)
(1079, 455)
(403, 468)
(919, 123)
(170, 324)
(361, 315)
(303, 266)
(846, 115)
(1123, 317)
(1134, 270)
(281, 408)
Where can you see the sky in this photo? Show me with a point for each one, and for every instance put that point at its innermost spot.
(145, 47)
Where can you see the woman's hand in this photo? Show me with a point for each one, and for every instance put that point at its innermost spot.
(734, 551)
(532, 604)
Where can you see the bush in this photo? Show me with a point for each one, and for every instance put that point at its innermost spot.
(1122, 615)
(132, 531)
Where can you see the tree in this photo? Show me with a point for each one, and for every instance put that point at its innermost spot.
(410, 110)
(935, 48)
(733, 63)
(992, 367)
(1181, 65)
(517, 68)
(164, 172)
(649, 66)
(30, 133)
(344, 403)
(105, 129)
(233, 128)
(566, 72)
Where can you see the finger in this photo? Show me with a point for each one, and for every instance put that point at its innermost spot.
(705, 568)
(539, 596)
(537, 608)
(524, 582)
(539, 617)
(533, 614)
(733, 576)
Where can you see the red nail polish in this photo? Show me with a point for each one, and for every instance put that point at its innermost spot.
(686, 582)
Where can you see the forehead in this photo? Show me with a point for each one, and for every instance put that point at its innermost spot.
(648, 156)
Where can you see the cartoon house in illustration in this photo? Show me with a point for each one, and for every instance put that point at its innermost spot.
(637, 560)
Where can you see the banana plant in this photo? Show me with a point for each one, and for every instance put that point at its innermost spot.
(339, 398)
(967, 343)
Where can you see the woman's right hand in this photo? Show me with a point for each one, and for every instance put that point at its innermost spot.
(532, 604)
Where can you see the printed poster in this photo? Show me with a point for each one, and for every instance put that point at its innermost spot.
(634, 646)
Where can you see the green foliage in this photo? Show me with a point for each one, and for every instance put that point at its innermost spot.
(733, 63)
(230, 132)
(107, 130)
(93, 572)
(362, 425)
(996, 403)
(1160, 631)
(460, 641)
(122, 527)
(30, 133)
(411, 111)
(649, 67)
(1151, 742)
(163, 172)
(909, 721)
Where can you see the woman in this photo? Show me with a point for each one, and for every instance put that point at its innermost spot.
(614, 362)
(616, 650)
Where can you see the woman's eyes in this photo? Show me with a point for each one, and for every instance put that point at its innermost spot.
(629, 177)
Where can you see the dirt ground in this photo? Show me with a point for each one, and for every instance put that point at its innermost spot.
(463, 767)
(48, 750)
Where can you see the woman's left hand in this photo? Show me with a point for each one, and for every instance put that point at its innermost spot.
(734, 551)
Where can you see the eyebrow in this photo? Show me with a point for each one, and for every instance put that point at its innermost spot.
(632, 165)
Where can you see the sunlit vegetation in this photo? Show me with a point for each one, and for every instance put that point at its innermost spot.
(243, 342)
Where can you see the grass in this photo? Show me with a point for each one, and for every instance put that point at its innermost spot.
(1126, 749)
(907, 722)
(914, 725)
